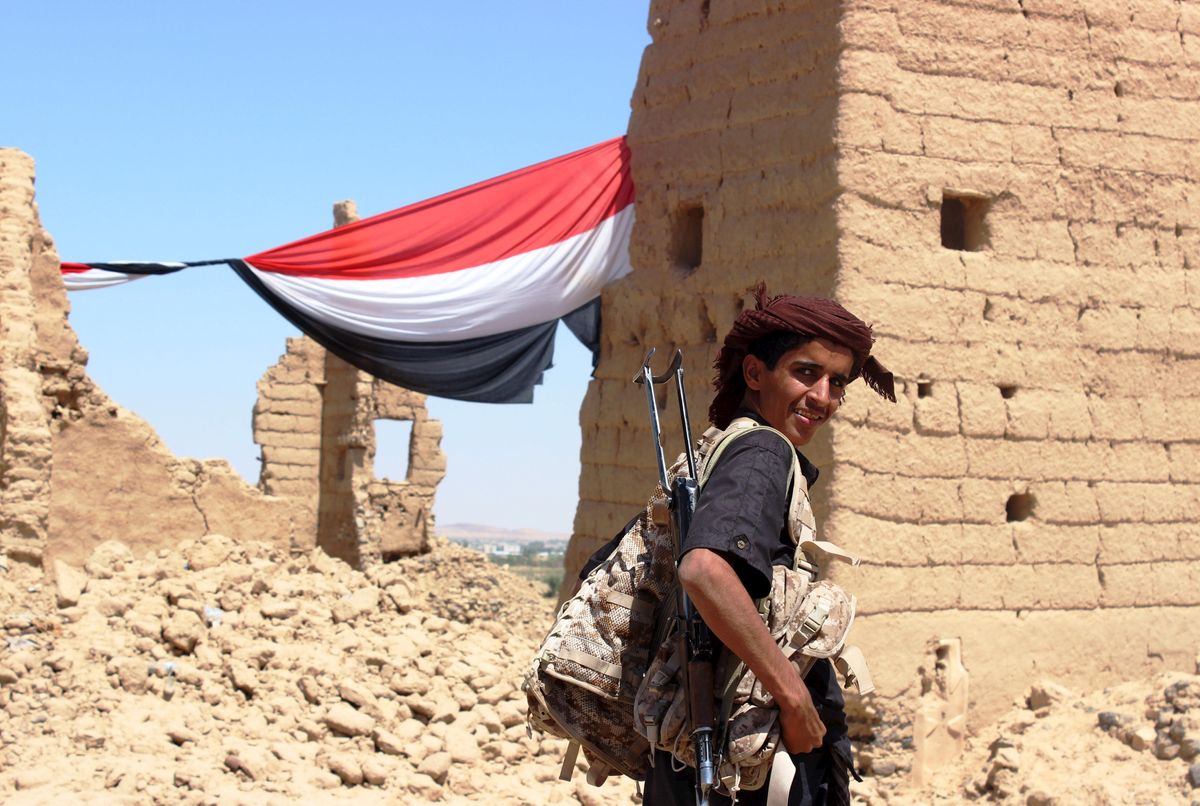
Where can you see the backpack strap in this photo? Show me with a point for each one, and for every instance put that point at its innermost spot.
(811, 555)
(567, 771)
(853, 666)
(739, 428)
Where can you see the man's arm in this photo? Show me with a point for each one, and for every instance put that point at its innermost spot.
(718, 595)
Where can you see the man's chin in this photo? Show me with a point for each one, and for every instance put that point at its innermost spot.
(801, 434)
(800, 438)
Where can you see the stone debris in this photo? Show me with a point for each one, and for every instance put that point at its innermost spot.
(1048, 693)
(70, 584)
(1170, 724)
(400, 684)
(1130, 744)
(273, 678)
(149, 700)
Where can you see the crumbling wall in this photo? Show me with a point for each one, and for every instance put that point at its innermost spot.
(77, 468)
(25, 434)
(287, 427)
(1019, 222)
(1008, 191)
(733, 158)
(399, 512)
(345, 439)
(364, 519)
(315, 420)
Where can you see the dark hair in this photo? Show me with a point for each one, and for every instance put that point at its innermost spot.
(773, 346)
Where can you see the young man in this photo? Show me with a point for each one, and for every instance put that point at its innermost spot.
(786, 364)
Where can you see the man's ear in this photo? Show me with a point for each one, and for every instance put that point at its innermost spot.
(753, 370)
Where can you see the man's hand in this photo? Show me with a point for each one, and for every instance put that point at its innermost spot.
(800, 725)
(730, 613)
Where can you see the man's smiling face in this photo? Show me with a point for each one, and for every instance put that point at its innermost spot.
(803, 390)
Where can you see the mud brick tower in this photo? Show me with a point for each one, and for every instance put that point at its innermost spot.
(1009, 192)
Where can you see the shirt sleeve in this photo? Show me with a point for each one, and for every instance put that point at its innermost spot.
(743, 508)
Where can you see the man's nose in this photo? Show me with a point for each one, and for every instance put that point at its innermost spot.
(820, 391)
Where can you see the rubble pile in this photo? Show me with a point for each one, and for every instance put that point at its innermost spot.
(232, 672)
(1131, 744)
(229, 672)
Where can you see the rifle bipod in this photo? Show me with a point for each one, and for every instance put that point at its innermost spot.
(696, 641)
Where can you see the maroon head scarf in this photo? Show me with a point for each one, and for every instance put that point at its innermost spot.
(807, 316)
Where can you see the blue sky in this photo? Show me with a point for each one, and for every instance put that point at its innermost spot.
(189, 131)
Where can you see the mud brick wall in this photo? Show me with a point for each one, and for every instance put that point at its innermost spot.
(27, 441)
(76, 468)
(287, 427)
(1008, 191)
(315, 420)
(398, 513)
(1037, 490)
(735, 166)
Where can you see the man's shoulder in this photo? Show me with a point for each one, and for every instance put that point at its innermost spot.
(762, 438)
(758, 445)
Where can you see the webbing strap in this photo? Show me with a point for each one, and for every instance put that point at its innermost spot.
(567, 772)
(639, 608)
(853, 666)
(591, 662)
(672, 665)
(598, 772)
(822, 551)
(739, 428)
(813, 623)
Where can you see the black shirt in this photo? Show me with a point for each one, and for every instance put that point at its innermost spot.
(742, 510)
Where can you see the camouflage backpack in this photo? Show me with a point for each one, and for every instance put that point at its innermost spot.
(593, 664)
(809, 620)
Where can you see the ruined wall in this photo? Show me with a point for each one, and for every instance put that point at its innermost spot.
(362, 518)
(315, 420)
(345, 437)
(398, 513)
(1019, 222)
(734, 162)
(1008, 191)
(77, 468)
(25, 434)
(287, 427)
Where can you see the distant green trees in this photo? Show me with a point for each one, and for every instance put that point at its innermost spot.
(546, 569)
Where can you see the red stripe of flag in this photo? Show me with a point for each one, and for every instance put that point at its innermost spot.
(518, 212)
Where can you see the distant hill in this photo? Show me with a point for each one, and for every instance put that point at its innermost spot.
(475, 532)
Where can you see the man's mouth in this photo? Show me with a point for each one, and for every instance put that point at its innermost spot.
(811, 416)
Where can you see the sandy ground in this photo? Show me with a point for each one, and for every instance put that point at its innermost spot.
(232, 673)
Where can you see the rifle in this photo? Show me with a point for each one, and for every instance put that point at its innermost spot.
(695, 637)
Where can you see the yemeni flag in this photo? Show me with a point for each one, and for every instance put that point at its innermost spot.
(457, 296)
(88, 276)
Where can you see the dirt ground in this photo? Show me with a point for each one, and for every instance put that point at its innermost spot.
(233, 673)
